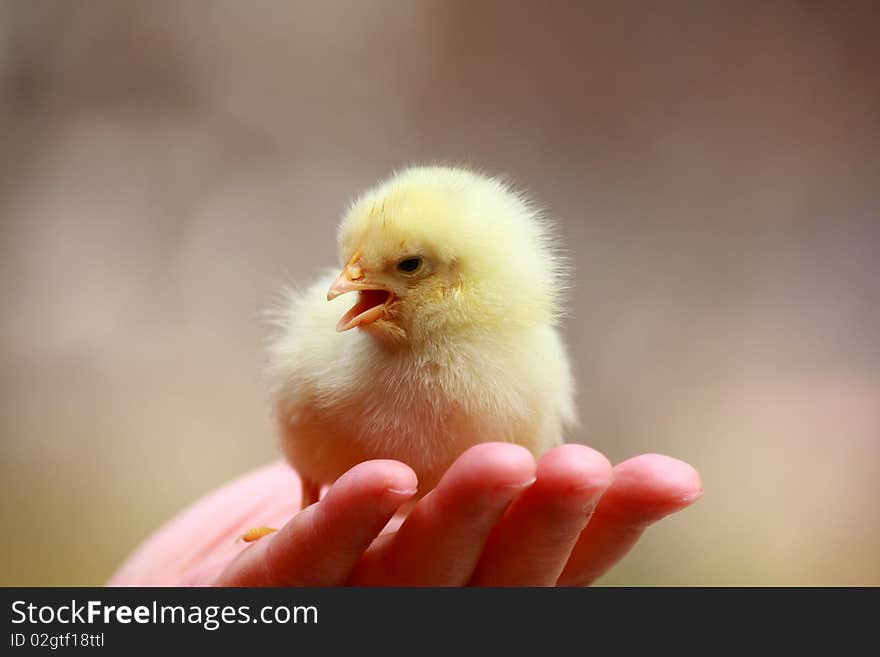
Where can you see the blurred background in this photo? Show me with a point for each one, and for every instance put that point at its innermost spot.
(166, 167)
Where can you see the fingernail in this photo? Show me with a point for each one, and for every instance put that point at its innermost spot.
(409, 492)
(587, 497)
(506, 490)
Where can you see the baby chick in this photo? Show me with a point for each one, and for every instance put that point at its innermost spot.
(450, 339)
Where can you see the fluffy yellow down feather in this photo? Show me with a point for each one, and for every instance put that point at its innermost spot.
(448, 337)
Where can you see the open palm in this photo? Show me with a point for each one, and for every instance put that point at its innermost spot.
(497, 518)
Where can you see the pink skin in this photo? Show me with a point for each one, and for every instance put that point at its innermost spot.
(497, 518)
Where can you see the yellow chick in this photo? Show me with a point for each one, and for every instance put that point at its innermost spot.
(448, 340)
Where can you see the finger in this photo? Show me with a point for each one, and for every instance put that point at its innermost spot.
(646, 489)
(321, 544)
(440, 541)
(533, 541)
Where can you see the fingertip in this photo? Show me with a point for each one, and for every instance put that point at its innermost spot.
(380, 476)
(663, 473)
(496, 465)
(658, 483)
(577, 469)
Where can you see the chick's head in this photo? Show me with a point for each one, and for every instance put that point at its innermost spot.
(434, 252)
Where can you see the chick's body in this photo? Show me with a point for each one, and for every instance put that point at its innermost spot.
(454, 339)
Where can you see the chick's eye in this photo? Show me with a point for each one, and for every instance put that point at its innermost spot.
(409, 265)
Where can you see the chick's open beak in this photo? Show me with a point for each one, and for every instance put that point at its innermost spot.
(372, 299)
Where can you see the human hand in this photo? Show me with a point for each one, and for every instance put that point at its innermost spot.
(496, 518)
